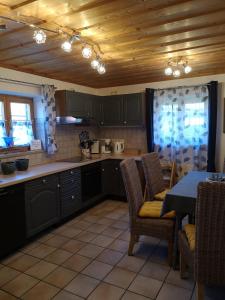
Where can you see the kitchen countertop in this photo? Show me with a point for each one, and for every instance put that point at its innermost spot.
(55, 167)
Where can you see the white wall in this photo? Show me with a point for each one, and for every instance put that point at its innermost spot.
(34, 91)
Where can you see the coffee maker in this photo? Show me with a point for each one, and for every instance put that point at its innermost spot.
(106, 146)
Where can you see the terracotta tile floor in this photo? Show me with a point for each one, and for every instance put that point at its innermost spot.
(86, 258)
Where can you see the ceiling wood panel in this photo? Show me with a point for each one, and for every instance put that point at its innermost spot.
(136, 37)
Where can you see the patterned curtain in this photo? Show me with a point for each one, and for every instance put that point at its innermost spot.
(48, 101)
(181, 126)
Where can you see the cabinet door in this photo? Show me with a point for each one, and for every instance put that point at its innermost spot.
(79, 104)
(112, 110)
(91, 182)
(108, 177)
(42, 203)
(97, 110)
(112, 182)
(133, 109)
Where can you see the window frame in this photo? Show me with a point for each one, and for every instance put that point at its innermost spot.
(7, 100)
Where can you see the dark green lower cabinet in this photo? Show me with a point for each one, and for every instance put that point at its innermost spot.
(70, 192)
(42, 203)
(112, 182)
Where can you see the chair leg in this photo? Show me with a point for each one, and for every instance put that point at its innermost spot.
(199, 291)
(131, 244)
(170, 252)
(183, 267)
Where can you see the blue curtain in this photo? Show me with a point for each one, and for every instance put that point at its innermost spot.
(149, 119)
(180, 120)
(2, 133)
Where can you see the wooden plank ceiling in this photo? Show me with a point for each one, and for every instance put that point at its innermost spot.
(136, 38)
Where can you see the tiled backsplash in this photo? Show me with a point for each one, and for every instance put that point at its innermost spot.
(135, 138)
(67, 137)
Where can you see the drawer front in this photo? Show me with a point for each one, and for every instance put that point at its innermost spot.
(70, 178)
(46, 182)
(71, 202)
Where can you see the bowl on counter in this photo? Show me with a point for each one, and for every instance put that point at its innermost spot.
(22, 164)
(8, 167)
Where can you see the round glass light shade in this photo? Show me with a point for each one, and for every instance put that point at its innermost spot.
(187, 69)
(66, 46)
(86, 52)
(176, 73)
(168, 71)
(101, 69)
(39, 36)
(95, 63)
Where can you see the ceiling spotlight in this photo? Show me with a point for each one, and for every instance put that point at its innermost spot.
(39, 36)
(168, 71)
(101, 69)
(187, 69)
(176, 73)
(67, 46)
(95, 63)
(86, 52)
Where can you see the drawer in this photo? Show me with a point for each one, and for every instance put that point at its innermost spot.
(69, 173)
(50, 181)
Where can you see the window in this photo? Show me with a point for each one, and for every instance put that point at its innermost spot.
(16, 121)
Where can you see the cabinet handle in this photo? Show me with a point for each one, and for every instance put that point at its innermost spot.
(44, 181)
(72, 197)
(103, 170)
(58, 186)
(102, 123)
(72, 180)
(116, 169)
(71, 172)
(125, 122)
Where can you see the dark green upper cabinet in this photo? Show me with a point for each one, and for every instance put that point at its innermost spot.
(122, 110)
(111, 111)
(133, 109)
(69, 103)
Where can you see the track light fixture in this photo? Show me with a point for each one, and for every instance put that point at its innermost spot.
(89, 47)
(177, 66)
(39, 36)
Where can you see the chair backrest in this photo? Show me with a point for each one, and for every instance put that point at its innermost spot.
(153, 174)
(133, 187)
(210, 234)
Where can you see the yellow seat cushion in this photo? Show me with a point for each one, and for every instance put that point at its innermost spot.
(152, 209)
(189, 230)
(161, 196)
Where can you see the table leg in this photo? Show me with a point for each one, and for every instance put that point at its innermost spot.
(178, 226)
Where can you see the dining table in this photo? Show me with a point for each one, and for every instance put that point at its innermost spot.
(182, 199)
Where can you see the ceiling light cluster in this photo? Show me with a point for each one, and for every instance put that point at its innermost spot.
(88, 49)
(177, 66)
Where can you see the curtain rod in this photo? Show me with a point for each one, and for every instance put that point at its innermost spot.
(21, 82)
(181, 86)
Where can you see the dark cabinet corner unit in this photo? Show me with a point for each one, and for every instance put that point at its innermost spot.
(42, 203)
(70, 192)
(12, 218)
(112, 182)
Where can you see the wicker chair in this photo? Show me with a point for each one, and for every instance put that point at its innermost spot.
(208, 256)
(155, 185)
(156, 227)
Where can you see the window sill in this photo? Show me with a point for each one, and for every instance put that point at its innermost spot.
(19, 153)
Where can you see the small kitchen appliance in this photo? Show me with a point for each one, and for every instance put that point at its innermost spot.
(106, 146)
(118, 147)
(95, 148)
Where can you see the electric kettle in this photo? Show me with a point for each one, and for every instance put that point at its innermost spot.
(118, 147)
